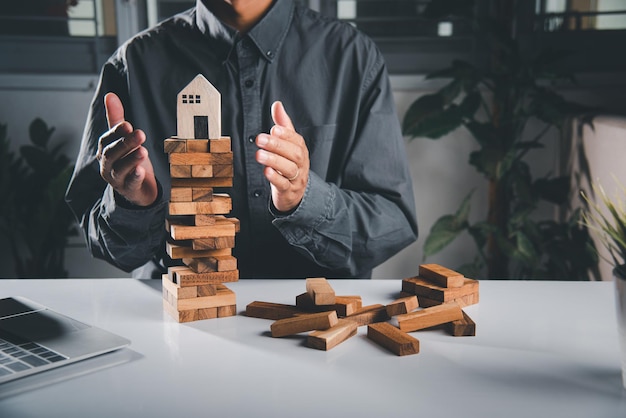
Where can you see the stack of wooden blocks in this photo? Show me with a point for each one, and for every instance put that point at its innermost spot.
(330, 319)
(199, 233)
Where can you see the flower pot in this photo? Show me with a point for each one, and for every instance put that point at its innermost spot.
(619, 277)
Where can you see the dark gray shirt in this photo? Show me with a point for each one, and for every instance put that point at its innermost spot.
(358, 208)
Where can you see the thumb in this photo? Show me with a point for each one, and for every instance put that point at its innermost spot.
(280, 116)
(114, 109)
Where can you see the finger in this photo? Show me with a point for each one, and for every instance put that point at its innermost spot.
(280, 146)
(277, 180)
(122, 168)
(285, 166)
(280, 116)
(114, 109)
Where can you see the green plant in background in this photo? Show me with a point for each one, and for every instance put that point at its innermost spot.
(496, 103)
(607, 220)
(34, 218)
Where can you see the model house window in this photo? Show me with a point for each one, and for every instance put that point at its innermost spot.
(191, 99)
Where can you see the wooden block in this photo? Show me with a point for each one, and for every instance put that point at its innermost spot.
(181, 194)
(176, 291)
(303, 323)
(464, 327)
(201, 158)
(178, 251)
(207, 290)
(422, 287)
(234, 221)
(441, 276)
(174, 145)
(197, 145)
(180, 171)
(201, 171)
(213, 243)
(207, 264)
(369, 315)
(225, 311)
(223, 170)
(220, 145)
(224, 297)
(462, 301)
(344, 305)
(207, 313)
(184, 276)
(333, 336)
(320, 291)
(393, 339)
(204, 220)
(180, 316)
(199, 194)
(429, 317)
(402, 306)
(202, 182)
(269, 310)
(184, 232)
(220, 205)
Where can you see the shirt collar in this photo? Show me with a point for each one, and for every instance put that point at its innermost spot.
(267, 35)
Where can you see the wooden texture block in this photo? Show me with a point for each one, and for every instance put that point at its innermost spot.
(224, 297)
(218, 145)
(184, 232)
(201, 171)
(223, 170)
(213, 243)
(320, 291)
(206, 296)
(220, 205)
(429, 317)
(181, 194)
(225, 311)
(179, 252)
(207, 313)
(204, 220)
(462, 301)
(207, 264)
(441, 276)
(344, 305)
(269, 310)
(180, 316)
(180, 171)
(201, 158)
(402, 306)
(333, 336)
(184, 276)
(174, 145)
(369, 315)
(201, 194)
(176, 291)
(393, 339)
(202, 182)
(422, 287)
(197, 145)
(304, 323)
(464, 327)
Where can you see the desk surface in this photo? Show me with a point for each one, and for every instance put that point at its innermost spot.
(542, 349)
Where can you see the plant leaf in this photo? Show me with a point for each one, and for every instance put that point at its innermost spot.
(40, 133)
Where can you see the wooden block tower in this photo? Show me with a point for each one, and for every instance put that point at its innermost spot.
(199, 232)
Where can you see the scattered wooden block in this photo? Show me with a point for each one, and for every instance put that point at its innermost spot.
(393, 339)
(269, 310)
(303, 323)
(369, 315)
(429, 317)
(320, 291)
(464, 327)
(402, 306)
(344, 305)
(184, 276)
(333, 336)
(462, 301)
(441, 276)
(423, 288)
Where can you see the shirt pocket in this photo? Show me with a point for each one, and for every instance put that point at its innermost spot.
(319, 140)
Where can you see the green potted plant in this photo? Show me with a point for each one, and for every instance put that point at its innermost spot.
(496, 102)
(35, 221)
(607, 220)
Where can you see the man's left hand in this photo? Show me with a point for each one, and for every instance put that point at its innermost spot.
(285, 156)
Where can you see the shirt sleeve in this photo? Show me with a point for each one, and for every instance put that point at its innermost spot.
(116, 231)
(356, 224)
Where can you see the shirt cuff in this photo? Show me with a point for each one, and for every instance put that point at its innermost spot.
(116, 210)
(314, 209)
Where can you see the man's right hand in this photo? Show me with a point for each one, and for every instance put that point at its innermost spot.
(124, 162)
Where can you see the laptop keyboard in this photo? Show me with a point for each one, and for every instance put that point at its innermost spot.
(17, 355)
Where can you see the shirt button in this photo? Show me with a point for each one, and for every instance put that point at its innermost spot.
(249, 83)
(251, 139)
(257, 193)
(269, 54)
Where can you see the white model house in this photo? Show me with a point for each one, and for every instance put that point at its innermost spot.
(198, 110)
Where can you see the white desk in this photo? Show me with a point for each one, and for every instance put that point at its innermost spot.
(543, 349)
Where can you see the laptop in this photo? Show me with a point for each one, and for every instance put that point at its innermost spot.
(34, 338)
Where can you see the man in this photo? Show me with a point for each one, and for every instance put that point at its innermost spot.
(321, 181)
